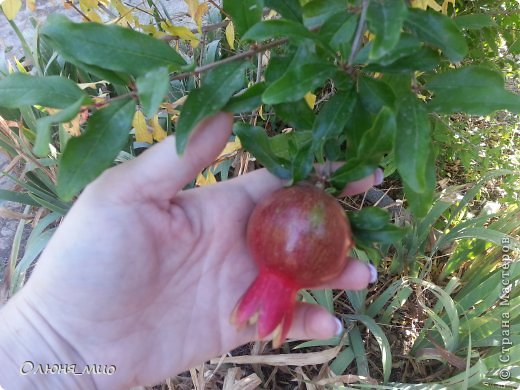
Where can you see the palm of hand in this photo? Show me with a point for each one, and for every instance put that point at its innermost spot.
(183, 266)
(145, 277)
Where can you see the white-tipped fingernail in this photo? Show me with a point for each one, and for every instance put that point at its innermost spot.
(373, 273)
(379, 176)
(339, 327)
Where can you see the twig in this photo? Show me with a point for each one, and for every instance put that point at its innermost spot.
(68, 2)
(359, 33)
(255, 49)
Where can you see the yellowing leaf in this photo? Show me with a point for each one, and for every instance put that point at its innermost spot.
(142, 134)
(230, 35)
(183, 33)
(423, 4)
(204, 180)
(261, 112)
(31, 5)
(199, 13)
(158, 133)
(11, 8)
(310, 98)
(20, 66)
(86, 5)
(445, 6)
(171, 108)
(230, 148)
(150, 29)
(125, 13)
(72, 127)
(192, 7)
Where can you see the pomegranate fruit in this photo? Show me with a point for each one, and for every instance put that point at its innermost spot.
(299, 237)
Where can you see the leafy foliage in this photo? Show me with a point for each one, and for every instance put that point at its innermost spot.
(349, 84)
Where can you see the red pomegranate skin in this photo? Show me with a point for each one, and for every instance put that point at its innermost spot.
(299, 237)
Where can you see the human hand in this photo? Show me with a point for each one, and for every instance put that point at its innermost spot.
(144, 276)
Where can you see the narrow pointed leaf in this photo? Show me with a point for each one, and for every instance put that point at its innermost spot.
(217, 88)
(249, 100)
(87, 156)
(412, 142)
(244, 13)
(474, 90)
(109, 47)
(269, 29)
(43, 126)
(255, 140)
(20, 89)
(385, 18)
(297, 81)
(289, 9)
(438, 30)
(379, 139)
(332, 118)
(151, 89)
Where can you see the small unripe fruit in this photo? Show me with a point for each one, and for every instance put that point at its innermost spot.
(299, 237)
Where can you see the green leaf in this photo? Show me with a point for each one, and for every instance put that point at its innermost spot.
(248, 100)
(43, 126)
(255, 140)
(109, 47)
(354, 169)
(382, 341)
(375, 94)
(20, 89)
(389, 234)
(244, 13)
(217, 87)
(342, 361)
(151, 90)
(276, 28)
(86, 157)
(339, 31)
(302, 163)
(332, 118)
(438, 30)
(297, 81)
(369, 218)
(421, 202)
(474, 89)
(289, 9)
(282, 144)
(297, 114)
(385, 19)
(474, 22)
(412, 142)
(379, 139)
(424, 60)
(316, 12)
(407, 45)
(18, 197)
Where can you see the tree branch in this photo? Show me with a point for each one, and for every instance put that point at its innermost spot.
(249, 53)
(359, 33)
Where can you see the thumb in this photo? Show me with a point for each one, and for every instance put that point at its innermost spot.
(159, 173)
